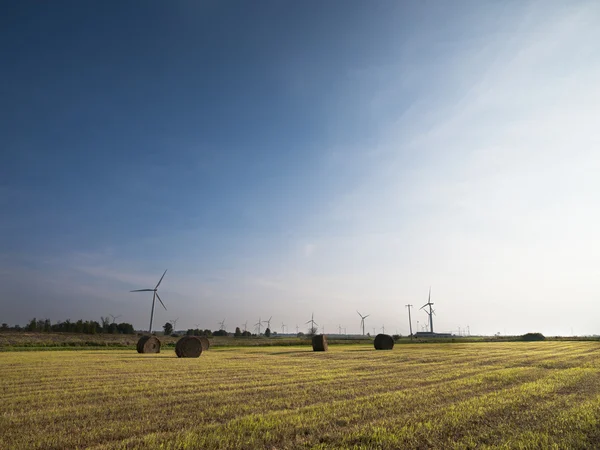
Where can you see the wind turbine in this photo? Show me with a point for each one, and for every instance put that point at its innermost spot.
(258, 324)
(269, 322)
(174, 323)
(154, 297)
(245, 325)
(222, 325)
(431, 312)
(383, 329)
(312, 323)
(114, 318)
(282, 328)
(362, 321)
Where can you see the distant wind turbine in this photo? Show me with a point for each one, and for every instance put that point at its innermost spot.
(431, 312)
(258, 324)
(154, 297)
(114, 318)
(362, 321)
(312, 322)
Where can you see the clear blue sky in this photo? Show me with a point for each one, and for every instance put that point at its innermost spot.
(281, 158)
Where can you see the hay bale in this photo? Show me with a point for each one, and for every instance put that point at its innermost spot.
(319, 343)
(189, 347)
(205, 343)
(384, 342)
(148, 344)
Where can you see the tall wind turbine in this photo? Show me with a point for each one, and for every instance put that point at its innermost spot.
(245, 325)
(269, 322)
(362, 321)
(222, 325)
(154, 297)
(312, 322)
(174, 323)
(431, 312)
(283, 328)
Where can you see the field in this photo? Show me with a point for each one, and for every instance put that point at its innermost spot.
(479, 395)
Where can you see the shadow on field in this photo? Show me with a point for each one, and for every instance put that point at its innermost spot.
(291, 352)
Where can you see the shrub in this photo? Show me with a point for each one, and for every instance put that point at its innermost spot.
(533, 337)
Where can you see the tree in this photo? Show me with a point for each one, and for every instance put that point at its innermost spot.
(31, 326)
(268, 332)
(168, 328)
(238, 332)
(312, 331)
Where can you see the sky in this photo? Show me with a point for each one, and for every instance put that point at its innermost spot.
(288, 158)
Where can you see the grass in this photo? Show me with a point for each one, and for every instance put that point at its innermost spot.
(485, 395)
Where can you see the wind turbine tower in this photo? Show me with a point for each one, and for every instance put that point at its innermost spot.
(409, 321)
(154, 297)
(431, 312)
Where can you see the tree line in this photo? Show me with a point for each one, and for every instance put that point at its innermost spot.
(68, 326)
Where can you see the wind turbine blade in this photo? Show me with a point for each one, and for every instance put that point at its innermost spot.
(367, 316)
(307, 322)
(160, 280)
(424, 306)
(358, 313)
(316, 324)
(161, 301)
(143, 290)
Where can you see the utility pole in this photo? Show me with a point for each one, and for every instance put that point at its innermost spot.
(409, 321)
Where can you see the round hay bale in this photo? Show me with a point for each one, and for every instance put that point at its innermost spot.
(384, 342)
(205, 343)
(319, 343)
(148, 344)
(188, 347)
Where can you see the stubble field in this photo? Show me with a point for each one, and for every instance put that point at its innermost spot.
(479, 395)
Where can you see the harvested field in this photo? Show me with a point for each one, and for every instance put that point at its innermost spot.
(484, 395)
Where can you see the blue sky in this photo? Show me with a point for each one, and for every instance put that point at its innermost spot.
(281, 158)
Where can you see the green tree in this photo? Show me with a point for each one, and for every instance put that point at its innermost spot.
(268, 332)
(238, 332)
(168, 328)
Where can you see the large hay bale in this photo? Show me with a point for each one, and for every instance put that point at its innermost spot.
(148, 344)
(188, 347)
(384, 342)
(205, 343)
(319, 343)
